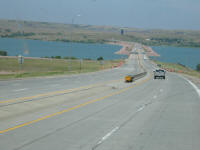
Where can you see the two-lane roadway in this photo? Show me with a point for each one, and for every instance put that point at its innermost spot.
(147, 114)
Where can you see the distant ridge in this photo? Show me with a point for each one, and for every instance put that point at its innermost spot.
(96, 34)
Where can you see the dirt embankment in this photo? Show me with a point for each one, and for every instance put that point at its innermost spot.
(126, 47)
(150, 51)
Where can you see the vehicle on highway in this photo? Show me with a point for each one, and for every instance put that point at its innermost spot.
(159, 73)
(129, 78)
(159, 65)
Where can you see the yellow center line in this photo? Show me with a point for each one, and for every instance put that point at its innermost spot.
(57, 92)
(73, 108)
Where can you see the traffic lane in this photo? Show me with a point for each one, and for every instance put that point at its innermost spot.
(25, 94)
(12, 114)
(133, 64)
(100, 75)
(38, 86)
(83, 127)
(172, 122)
(36, 80)
(27, 87)
(19, 111)
(149, 66)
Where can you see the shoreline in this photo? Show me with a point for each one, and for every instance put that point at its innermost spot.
(126, 47)
(150, 51)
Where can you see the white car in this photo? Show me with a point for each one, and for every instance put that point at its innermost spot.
(159, 73)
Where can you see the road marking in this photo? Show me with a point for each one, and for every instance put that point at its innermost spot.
(107, 135)
(194, 86)
(57, 92)
(16, 84)
(53, 85)
(20, 90)
(140, 109)
(113, 131)
(75, 107)
(155, 96)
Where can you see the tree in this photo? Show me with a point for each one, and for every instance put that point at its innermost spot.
(100, 58)
(198, 67)
(3, 53)
(57, 57)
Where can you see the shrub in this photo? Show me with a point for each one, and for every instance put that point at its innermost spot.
(3, 53)
(198, 67)
(57, 57)
(100, 58)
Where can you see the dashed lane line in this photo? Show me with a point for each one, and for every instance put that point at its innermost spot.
(75, 107)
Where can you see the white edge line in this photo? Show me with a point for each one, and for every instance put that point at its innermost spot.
(193, 85)
(53, 85)
(155, 96)
(21, 90)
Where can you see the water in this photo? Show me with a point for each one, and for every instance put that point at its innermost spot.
(189, 57)
(37, 48)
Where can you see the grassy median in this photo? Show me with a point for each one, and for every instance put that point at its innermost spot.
(178, 68)
(9, 67)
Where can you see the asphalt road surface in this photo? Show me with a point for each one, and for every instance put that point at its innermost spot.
(98, 111)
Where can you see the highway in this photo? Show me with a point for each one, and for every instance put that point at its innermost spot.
(99, 111)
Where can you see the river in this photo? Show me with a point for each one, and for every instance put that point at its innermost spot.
(189, 57)
(37, 48)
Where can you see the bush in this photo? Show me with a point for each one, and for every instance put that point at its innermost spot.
(198, 67)
(46, 57)
(100, 58)
(56, 57)
(3, 53)
(66, 57)
(87, 59)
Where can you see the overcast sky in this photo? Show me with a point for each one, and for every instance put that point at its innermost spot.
(164, 14)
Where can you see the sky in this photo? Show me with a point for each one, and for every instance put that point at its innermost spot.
(149, 14)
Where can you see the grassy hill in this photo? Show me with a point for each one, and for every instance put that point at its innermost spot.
(92, 34)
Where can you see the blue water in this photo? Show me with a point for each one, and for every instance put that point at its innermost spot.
(37, 48)
(189, 57)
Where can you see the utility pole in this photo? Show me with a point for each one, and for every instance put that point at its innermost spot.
(69, 61)
(81, 61)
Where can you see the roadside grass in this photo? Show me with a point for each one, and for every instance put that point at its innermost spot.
(178, 68)
(10, 69)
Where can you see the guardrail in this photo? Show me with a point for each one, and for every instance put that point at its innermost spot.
(131, 78)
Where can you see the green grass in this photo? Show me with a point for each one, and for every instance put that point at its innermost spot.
(9, 67)
(179, 69)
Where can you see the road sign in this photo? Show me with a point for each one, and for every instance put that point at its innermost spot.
(101, 62)
(20, 59)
